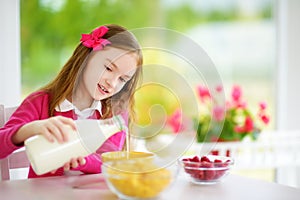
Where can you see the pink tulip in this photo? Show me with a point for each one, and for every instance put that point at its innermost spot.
(219, 88)
(241, 105)
(249, 124)
(176, 121)
(239, 129)
(236, 93)
(265, 119)
(218, 113)
(262, 105)
(247, 127)
(203, 92)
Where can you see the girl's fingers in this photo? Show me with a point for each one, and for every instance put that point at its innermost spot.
(55, 131)
(65, 129)
(68, 121)
(48, 135)
(67, 167)
(64, 125)
(58, 127)
(81, 160)
(74, 163)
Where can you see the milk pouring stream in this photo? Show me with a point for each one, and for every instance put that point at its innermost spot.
(46, 156)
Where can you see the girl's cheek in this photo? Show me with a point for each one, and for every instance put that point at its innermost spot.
(119, 88)
(100, 74)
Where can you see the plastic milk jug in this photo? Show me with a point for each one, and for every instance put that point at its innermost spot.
(46, 156)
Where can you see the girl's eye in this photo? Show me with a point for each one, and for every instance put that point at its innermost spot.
(107, 68)
(123, 80)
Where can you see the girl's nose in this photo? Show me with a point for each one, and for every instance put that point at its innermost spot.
(112, 82)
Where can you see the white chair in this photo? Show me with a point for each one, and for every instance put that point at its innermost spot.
(17, 159)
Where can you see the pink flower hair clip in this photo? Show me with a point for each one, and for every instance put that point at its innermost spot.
(95, 40)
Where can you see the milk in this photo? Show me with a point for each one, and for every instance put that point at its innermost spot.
(46, 156)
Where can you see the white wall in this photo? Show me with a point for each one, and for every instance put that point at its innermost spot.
(288, 80)
(10, 71)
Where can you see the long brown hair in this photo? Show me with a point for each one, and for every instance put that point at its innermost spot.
(63, 85)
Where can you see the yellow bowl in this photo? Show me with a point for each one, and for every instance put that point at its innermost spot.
(124, 155)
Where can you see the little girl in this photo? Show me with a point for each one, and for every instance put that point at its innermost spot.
(97, 82)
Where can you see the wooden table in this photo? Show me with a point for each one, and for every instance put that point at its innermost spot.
(89, 187)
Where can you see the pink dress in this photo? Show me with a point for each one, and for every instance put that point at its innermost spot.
(35, 107)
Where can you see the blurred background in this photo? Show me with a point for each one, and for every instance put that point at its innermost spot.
(240, 37)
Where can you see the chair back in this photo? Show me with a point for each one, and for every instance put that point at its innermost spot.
(17, 159)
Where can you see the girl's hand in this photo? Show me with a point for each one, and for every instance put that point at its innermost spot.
(53, 128)
(74, 163)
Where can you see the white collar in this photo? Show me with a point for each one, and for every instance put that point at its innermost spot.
(82, 114)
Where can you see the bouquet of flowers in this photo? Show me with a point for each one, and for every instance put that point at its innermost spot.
(232, 121)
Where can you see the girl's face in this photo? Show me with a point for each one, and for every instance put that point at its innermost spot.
(107, 71)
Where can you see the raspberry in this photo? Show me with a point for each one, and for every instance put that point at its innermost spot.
(191, 167)
(220, 173)
(199, 175)
(228, 153)
(215, 152)
(195, 159)
(205, 159)
(206, 164)
(202, 168)
(209, 174)
(217, 161)
(226, 163)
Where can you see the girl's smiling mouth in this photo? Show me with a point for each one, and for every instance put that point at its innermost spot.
(102, 89)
